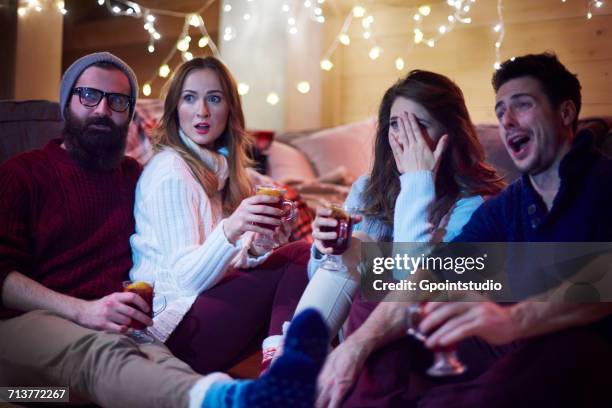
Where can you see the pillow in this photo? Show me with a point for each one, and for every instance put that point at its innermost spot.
(286, 162)
(495, 152)
(350, 146)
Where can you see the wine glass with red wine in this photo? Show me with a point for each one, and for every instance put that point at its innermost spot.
(446, 361)
(344, 231)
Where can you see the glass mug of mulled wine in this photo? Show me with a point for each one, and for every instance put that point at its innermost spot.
(288, 208)
(145, 289)
(339, 245)
(446, 361)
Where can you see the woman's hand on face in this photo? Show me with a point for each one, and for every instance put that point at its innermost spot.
(410, 146)
(252, 210)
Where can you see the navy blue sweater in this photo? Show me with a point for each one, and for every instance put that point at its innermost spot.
(581, 211)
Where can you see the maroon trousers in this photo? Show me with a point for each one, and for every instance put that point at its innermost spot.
(566, 369)
(229, 321)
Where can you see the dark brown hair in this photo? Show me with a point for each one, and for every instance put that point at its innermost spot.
(462, 170)
(234, 137)
(557, 82)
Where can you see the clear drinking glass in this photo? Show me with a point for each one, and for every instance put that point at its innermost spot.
(446, 362)
(138, 331)
(344, 231)
(288, 207)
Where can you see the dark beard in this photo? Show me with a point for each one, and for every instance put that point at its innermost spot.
(95, 149)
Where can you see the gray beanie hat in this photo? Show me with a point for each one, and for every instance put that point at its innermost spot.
(74, 71)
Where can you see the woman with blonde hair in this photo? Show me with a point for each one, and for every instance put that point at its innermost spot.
(196, 220)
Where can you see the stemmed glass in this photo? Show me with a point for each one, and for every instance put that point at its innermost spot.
(138, 331)
(344, 230)
(446, 361)
(288, 207)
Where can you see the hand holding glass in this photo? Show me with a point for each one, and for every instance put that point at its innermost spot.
(344, 231)
(446, 361)
(138, 331)
(288, 208)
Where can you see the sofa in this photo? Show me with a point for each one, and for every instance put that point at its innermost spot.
(322, 164)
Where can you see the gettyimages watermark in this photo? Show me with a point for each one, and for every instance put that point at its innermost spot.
(503, 272)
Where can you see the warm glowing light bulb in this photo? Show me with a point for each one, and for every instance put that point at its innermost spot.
(442, 29)
(497, 65)
(399, 64)
(272, 98)
(431, 43)
(182, 45)
(344, 39)
(243, 88)
(326, 65)
(374, 53)
(425, 10)
(418, 36)
(194, 20)
(497, 28)
(203, 42)
(227, 8)
(187, 56)
(151, 49)
(358, 11)
(164, 71)
(146, 90)
(303, 87)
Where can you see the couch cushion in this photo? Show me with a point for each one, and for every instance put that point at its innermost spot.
(350, 146)
(287, 163)
(495, 152)
(27, 125)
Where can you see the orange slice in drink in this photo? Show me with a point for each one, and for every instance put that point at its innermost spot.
(139, 286)
(269, 191)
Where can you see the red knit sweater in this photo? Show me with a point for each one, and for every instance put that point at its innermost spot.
(66, 227)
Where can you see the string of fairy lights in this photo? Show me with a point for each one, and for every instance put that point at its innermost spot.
(458, 14)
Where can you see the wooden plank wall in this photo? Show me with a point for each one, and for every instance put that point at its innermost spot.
(353, 89)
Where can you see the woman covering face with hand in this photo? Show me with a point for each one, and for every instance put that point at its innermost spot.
(428, 177)
(196, 220)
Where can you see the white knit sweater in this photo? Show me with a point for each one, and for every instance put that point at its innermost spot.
(179, 241)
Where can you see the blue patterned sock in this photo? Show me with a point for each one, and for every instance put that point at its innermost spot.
(292, 378)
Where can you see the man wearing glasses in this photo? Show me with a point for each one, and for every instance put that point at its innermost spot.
(66, 216)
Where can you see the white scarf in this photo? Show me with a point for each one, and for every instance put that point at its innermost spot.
(216, 162)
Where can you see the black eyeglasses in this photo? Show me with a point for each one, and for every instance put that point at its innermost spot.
(91, 98)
